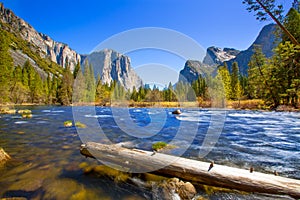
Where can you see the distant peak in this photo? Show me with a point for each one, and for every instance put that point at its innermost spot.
(217, 55)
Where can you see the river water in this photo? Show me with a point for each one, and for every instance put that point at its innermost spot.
(46, 163)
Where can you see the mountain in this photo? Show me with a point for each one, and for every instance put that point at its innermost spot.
(49, 56)
(111, 65)
(193, 69)
(266, 40)
(45, 46)
(216, 55)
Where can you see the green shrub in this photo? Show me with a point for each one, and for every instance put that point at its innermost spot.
(159, 145)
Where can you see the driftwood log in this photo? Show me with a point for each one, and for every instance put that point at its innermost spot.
(134, 160)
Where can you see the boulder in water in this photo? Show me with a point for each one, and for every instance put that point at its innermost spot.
(6, 110)
(174, 189)
(176, 112)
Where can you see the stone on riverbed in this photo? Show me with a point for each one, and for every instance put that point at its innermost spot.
(7, 110)
(4, 157)
(24, 111)
(174, 189)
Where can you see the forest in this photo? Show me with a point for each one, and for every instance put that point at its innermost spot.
(275, 80)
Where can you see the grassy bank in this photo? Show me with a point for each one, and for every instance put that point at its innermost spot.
(253, 104)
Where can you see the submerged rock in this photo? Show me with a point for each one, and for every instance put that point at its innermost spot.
(24, 111)
(26, 115)
(68, 123)
(4, 157)
(6, 110)
(80, 125)
(173, 189)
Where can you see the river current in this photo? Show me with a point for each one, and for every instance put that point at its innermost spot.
(46, 160)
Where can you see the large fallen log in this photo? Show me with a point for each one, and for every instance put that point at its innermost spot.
(134, 160)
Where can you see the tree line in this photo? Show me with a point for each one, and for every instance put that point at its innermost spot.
(276, 80)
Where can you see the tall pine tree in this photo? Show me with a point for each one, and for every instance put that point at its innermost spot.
(6, 68)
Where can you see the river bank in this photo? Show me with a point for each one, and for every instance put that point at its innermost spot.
(248, 104)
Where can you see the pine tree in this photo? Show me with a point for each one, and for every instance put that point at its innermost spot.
(79, 89)
(292, 24)
(235, 83)
(262, 80)
(224, 75)
(54, 90)
(76, 69)
(18, 93)
(6, 68)
(90, 82)
(66, 87)
(200, 87)
(216, 91)
(256, 75)
(134, 94)
(142, 93)
(286, 72)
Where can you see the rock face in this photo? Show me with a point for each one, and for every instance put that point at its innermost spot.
(111, 65)
(266, 40)
(193, 69)
(216, 55)
(45, 46)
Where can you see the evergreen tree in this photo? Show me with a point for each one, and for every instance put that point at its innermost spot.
(261, 81)
(142, 93)
(235, 82)
(66, 87)
(54, 90)
(76, 69)
(292, 24)
(216, 91)
(224, 75)
(168, 93)
(79, 89)
(286, 72)
(90, 82)
(6, 68)
(36, 89)
(134, 94)
(18, 92)
(200, 87)
(256, 75)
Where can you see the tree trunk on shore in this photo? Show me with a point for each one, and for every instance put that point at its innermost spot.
(131, 160)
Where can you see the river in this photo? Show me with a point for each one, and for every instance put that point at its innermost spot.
(46, 163)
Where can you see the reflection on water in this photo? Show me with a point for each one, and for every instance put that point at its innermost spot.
(46, 160)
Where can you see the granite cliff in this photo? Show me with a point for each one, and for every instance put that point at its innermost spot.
(266, 39)
(216, 55)
(111, 65)
(193, 69)
(42, 44)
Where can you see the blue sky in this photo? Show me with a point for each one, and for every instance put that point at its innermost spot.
(84, 24)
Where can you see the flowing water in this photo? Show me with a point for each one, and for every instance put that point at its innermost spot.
(46, 160)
